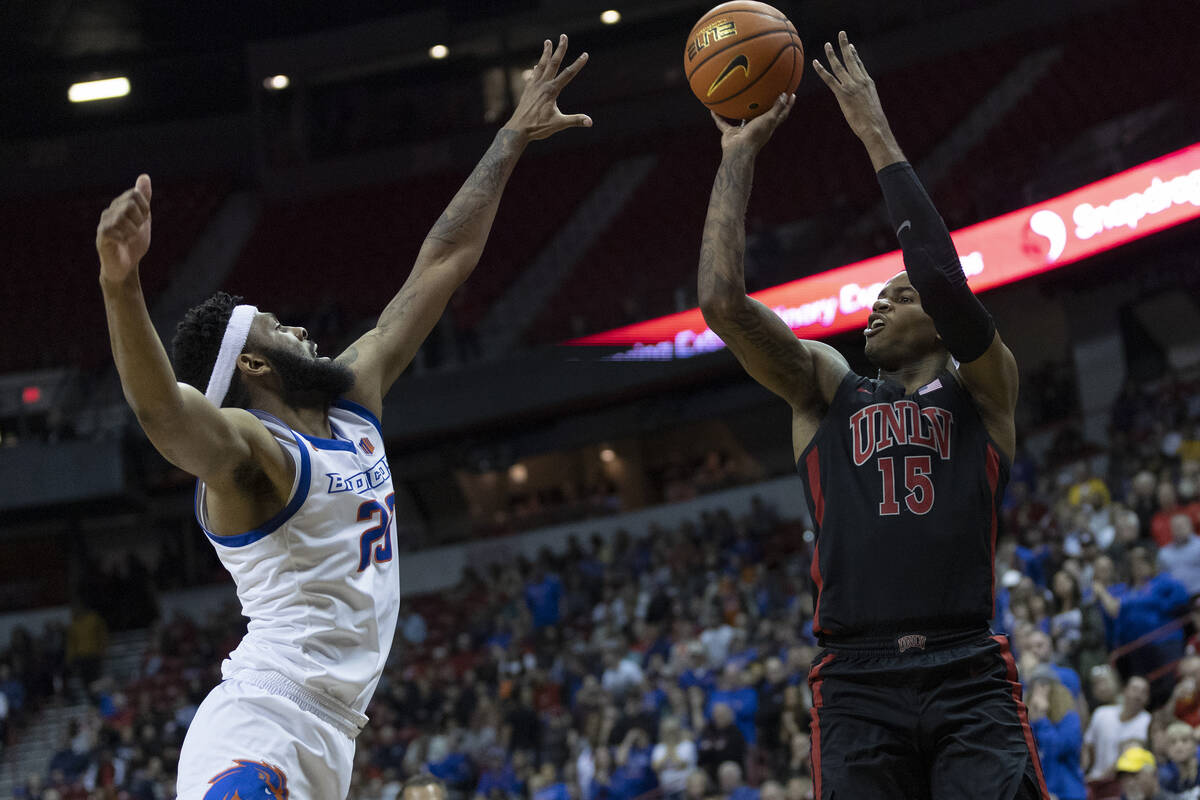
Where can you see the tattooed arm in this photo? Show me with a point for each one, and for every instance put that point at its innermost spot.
(454, 244)
(805, 373)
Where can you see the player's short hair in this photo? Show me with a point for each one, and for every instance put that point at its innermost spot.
(197, 343)
(423, 779)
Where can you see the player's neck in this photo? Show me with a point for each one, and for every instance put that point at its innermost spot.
(309, 421)
(915, 374)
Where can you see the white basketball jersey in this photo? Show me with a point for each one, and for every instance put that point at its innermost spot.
(319, 581)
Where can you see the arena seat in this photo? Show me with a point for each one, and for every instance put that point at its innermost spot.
(51, 295)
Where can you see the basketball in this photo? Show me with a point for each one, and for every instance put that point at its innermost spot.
(741, 56)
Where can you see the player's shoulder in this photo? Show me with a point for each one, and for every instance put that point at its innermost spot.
(350, 410)
(245, 421)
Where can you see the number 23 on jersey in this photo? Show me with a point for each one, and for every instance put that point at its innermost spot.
(370, 548)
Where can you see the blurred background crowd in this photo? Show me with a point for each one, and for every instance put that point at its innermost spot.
(673, 662)
(299, 159)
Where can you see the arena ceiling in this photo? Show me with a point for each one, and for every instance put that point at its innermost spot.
(190, 58)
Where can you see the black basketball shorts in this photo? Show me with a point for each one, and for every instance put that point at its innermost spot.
(896, 720)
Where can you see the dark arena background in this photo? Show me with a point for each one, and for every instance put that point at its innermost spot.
(597, 540)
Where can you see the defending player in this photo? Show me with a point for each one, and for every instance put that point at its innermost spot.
(912, 695)
(295, 495)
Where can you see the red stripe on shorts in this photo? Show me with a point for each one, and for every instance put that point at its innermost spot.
(814, 683)
(1011, 677)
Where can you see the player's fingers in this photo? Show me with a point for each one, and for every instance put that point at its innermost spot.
(139, 201)
(778, 108)
(830, 81)
(143, 187)
(858, 64)
(130, 210)
(788, 104)
(844, 47)
(107, 229)
(568, 74)
(783, 107)
(835, 66)
(577, 121)
(540, 66)
(126, 227)
(109, 233)
(722, 125)
(557, 56)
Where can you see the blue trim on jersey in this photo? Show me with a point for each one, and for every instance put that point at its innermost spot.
(330, 444)
(355, 408)
(273, 524)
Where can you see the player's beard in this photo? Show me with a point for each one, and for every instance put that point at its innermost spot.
(309, 382)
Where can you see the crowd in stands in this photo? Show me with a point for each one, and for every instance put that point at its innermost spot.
(673, 663)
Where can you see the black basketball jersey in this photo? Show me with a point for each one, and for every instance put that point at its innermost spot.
(905, 493)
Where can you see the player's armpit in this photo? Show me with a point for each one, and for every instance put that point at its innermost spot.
(803, 372)
(992, 379)
(213, 443)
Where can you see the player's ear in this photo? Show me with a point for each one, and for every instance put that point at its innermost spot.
(252, 364)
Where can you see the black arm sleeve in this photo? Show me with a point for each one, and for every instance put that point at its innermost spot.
(933, 266)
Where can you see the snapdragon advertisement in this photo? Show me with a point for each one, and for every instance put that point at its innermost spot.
(1111, 212)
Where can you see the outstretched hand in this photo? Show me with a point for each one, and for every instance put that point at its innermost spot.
(123, 235)
(756, 132)
(854, 89)
(537, 115)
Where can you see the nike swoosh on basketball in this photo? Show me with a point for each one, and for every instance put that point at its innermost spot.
(739, 60)
(906, 224)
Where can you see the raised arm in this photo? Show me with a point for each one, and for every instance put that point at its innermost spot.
(986, 366)
(184, 427)
(804, 373)
(455, 243)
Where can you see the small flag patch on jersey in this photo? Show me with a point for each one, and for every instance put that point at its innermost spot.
(930, 387)
(366, 445)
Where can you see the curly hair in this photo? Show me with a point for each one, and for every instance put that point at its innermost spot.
(197, 343)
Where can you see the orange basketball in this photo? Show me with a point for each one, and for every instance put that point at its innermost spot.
(741, 56)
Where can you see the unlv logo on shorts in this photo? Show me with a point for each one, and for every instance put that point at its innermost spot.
(249, 780)
(913, 640)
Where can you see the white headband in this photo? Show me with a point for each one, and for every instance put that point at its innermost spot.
(232, 343)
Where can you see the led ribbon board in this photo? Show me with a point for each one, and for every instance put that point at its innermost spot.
(1097, 217)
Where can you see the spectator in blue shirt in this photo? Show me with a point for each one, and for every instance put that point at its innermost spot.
(1041, 648)
(697, 672)
(1104, 573)
(1180, 773)
(1059, 733)
(1180, 557)
(1033, 559)
(1152, 600)
(732, 691)
(634, 774)
(498, 775)
(545, 785)
(543, 597)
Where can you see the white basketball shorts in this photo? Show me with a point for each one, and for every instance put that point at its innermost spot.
(246, 742)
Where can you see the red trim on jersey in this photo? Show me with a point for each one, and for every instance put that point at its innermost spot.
(1011, 677)
(814, 682)
(814, 572)
(813, 462)
(993, 477)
